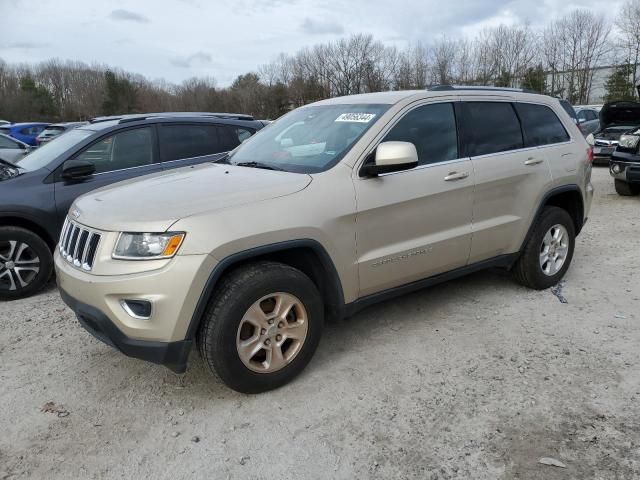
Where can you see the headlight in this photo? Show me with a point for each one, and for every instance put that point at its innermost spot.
(147, 246)
(629, 141)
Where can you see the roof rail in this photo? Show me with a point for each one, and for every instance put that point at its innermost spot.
(132, 117)
(437, 88)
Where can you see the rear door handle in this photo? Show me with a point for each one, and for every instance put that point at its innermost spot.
(456, 176)
(533, 161)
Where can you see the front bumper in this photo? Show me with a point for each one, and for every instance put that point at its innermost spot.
(173, 291)
(173, 355)
(627, 171)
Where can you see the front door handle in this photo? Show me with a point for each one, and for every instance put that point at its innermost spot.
(456, 176)
(533, 161)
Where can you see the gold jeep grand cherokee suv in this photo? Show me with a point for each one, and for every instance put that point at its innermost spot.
(335, 206)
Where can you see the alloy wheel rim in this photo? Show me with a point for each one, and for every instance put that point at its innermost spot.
(19, 265)
(272, 332)
(554, 250)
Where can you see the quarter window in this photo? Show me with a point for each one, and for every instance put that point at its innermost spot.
(541, 126)
(131, 148)
(188, 141)
(493, 127)
(432, 129)
(231, 137)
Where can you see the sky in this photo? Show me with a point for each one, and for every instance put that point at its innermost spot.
(179, 39)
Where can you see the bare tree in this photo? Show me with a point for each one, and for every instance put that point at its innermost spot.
(628, 23)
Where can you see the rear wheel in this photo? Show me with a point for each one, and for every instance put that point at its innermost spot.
(26, 263)
(547, 255)
(626, 189)
(261, 327)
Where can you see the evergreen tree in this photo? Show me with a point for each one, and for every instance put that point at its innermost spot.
(535, 79)
(619, 85)
(35, 98)
(120, 95)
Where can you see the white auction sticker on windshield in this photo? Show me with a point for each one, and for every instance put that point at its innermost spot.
(356, 117)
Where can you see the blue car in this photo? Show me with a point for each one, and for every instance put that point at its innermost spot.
(25, 132)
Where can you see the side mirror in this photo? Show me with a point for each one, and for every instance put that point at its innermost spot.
(391, 157)
(77, 169)
(591, 140)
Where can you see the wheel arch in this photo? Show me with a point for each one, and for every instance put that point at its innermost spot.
(306, 255)
(29, 224)
(567, 197)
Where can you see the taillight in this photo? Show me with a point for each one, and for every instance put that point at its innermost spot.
(590, 155)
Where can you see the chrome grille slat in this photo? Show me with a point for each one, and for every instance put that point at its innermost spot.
(65, 239)
(78, 245)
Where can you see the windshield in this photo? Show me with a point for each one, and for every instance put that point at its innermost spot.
(41, 157)
(50, 131)
(309, 139)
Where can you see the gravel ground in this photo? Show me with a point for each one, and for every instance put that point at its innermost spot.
(476, 378)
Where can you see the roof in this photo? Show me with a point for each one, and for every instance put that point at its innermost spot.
(67, 124)
(394, 97)
(131, 117)
(27, 124)
(378, 97)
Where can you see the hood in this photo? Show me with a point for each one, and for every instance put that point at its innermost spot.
(155, 202)
(620, 113)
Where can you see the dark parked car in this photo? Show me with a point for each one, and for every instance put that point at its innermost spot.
(624, 165)
(36, 191)
(25, 132)
(55, 129)
(616, 118)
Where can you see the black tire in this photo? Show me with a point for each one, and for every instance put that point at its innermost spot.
(238, 291)
(626, 189)
(37, 247)
(528, 270)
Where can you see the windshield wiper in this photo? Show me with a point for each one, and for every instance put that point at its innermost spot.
(259, 165)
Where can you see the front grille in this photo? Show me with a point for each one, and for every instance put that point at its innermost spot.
(606, 143)
(78, 245)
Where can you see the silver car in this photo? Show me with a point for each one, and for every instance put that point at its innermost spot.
(588, 119)
(11, 149)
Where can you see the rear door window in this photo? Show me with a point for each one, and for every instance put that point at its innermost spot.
(493, 127)
(188, 141)
(229, 139)
(541, 125)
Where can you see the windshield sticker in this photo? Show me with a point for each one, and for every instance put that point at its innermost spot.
(356, 117)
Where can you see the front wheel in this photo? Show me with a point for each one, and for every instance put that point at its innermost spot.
(26, 263)
(547, 255)
(625, 189)
(262, 326)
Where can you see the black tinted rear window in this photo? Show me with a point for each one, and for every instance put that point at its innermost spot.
(568, 108)
(493, 127)
(540, 125)
(188, 141)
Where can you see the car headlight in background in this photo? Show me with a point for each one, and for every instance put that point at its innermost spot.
(616, 168)
(147, 246)
(629, 141)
